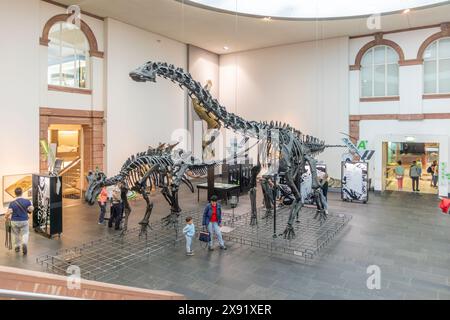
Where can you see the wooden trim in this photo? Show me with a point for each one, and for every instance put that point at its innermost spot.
(43, 42)
(45, 283)
(401, 117)
(84, 27)
(445, 32)
(411, 117)
(377, 42)
(397, 31)
(410, 62)
(55, 3)
(69, 90)
(436, 96)
(433, 116)
(97, 54)
(379, 99)
(51, 112)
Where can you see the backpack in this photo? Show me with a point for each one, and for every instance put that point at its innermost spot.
(429, 170)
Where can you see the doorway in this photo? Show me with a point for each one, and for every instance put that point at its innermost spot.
(66, 143)
(424, 154)
(76, 137)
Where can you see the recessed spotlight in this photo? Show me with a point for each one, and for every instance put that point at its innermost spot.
(267, 19)
(225, 48)
(406, 11)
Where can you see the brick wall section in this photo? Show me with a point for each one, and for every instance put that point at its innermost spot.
(43, 135)
(354, 130)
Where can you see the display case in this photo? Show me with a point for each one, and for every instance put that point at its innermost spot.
(355, 181)
(11, 182)
(238, 174)
(48, 207)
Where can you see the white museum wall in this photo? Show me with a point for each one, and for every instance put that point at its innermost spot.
(304, 84)
(25, 88)
(139, 114)
(19, 62)
(375, 132)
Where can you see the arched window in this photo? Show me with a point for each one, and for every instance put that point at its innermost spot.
(379, 72)
(68, 56)
(436, 67)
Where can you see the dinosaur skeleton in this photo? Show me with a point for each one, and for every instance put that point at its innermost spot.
(141, 173)
(293, 149)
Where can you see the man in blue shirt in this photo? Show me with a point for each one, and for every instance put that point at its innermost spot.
(18, 212)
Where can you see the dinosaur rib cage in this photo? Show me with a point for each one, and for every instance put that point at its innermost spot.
(151, 169)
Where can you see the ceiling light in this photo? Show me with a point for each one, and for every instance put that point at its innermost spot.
(410, 139)
(225, 48)
(406, 11)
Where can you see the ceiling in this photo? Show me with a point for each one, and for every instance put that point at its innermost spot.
(214, 30)
(312, 9)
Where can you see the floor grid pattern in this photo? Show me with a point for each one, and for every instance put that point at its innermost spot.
(104, 259)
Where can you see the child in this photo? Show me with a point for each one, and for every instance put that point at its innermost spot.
(189, 232)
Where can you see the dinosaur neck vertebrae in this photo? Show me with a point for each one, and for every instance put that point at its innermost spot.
(150, 70)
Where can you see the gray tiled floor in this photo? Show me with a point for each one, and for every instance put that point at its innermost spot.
(404, 234)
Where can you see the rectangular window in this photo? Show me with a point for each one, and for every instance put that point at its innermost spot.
(444, 76)
(430, 73)
(366, 82)
(379, 81)
(392, 80)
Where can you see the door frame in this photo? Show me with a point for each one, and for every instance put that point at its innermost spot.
(442, 140)
(92, 132)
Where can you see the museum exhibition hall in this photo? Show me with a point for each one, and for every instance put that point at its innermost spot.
(225, 150)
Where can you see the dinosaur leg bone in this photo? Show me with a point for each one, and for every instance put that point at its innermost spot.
(289, 232)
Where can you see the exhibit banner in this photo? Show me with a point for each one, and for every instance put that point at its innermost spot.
(47, 200)
(355, 181)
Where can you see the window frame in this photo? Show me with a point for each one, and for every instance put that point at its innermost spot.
(86, 52)
(373, 65)
(437, 73)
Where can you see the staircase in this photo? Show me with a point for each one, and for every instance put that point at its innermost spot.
(71, 182)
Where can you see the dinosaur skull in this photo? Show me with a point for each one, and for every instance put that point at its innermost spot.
(95, 183)
(144, 73)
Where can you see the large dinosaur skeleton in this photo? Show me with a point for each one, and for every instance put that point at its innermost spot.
(292, 149)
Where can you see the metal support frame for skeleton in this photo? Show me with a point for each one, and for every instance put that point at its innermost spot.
(294, 148)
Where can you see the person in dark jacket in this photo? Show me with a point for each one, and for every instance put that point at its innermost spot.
(116, 208)
(212, 219)
(18, 213)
